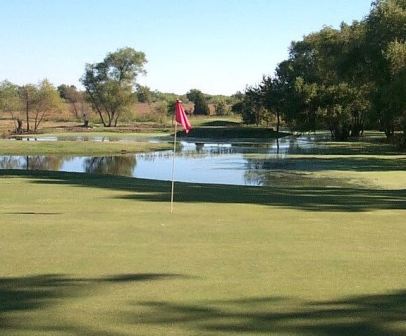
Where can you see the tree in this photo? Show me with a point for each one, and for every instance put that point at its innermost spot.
(28, 98)
(10, 103)
(199, 99)
(71, 95)
(109, 84)
(342, 79)
(144, 94)
(315, 87)
(37, 102)
(220, 107)
(396, 55)
(170, 109)
(385, 38)
(46, 101)
(68, 93)
(272, 98)
(251, 107)
(76, 99)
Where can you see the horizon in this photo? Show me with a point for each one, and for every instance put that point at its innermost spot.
(224, 45)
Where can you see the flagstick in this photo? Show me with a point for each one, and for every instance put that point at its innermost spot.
(173, 166)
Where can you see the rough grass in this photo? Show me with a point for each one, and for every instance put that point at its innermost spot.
(98, 255)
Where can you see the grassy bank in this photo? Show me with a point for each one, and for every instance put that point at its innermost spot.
(96, 255)
(7, 126)
(203, 127)
(8, 147)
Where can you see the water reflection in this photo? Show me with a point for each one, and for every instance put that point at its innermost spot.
(36, 162)
(9, 162)
(111, 165)
(199, 147)
(225, 163)
(44, 162)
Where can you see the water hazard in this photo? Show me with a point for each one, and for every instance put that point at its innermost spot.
(238, 164)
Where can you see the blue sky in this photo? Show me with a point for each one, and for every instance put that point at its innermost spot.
(217, 46)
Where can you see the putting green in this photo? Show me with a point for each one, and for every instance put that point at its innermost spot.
(101, 255)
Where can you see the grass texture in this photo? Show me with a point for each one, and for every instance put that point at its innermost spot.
(101, 255)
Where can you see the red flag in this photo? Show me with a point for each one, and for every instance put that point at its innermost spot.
(181, 117)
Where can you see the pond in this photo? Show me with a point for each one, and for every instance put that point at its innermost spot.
(225, 163)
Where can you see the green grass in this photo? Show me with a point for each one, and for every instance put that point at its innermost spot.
(95, 255)
(202, 121)
(9, 147)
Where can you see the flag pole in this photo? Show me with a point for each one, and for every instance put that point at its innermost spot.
(173, 166)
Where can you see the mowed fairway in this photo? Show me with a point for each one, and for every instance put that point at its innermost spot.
(102, 255)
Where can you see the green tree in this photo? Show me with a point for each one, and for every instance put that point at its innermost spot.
(221, 107)
(10, 103)
(200, 102)
(396, 55)
(171, 108)
(37, 102)
(272, 98)
(385, 38)
(144, 94)
(109, 84)
(46, 102)
(316, 79)
(342, 79)
(72, 96)
(76, 99)
(252, 107)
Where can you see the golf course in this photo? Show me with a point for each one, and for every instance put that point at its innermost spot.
(317, 250)
(203, 168)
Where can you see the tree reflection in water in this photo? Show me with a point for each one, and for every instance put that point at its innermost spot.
(249, 163)
(199, 147)
(44, 162)
(9, 162)
(36, 162)
(277, 168)
(122, 165)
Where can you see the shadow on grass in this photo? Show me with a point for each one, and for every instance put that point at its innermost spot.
(311, 198)
(232, 132)
(372, 315)
(20, 295)
(221, 123)
(367, 315)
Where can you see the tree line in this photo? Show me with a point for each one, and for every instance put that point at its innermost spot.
(345, 80)
(30, 103)
(110, 91)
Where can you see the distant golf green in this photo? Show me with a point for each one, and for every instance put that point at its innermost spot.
(321, 252)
